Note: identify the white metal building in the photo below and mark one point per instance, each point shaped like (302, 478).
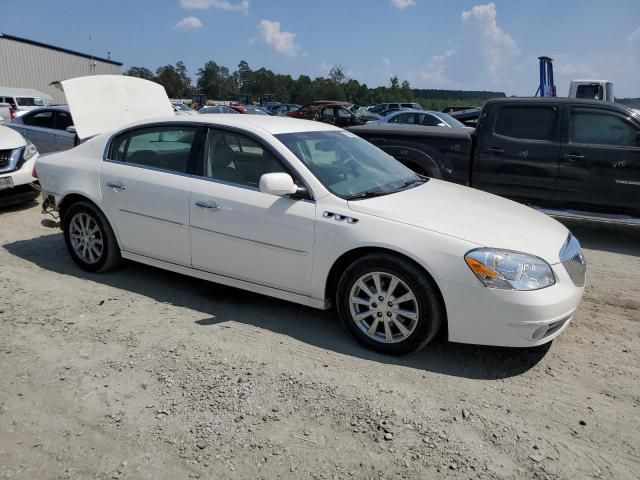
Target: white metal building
(30, 64)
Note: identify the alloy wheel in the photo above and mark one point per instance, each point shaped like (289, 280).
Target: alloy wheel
(87, 240)
(384, 307)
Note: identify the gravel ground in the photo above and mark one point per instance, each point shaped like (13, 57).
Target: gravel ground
(141, 373)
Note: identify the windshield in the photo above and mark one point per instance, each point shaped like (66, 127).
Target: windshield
(349, 166)
(30, 102)
(449, 120)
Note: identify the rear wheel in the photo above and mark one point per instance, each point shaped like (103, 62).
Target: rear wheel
(89, 238)
(389, 304)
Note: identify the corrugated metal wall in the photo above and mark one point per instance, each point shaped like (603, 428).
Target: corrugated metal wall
(29, 66)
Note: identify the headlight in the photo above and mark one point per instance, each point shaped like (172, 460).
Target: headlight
(29, 151)
(509, 270)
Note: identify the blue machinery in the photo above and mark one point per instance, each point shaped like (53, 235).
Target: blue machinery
(547, 88)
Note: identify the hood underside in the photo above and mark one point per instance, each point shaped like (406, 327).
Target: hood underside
(478, 217)
(101, 103)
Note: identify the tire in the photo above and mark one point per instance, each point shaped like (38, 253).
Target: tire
(98, 252)
(422, 309)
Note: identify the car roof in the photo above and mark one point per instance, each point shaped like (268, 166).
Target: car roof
(255, 123)
(62, 108)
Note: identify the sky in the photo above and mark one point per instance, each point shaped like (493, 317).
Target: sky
(449, 44)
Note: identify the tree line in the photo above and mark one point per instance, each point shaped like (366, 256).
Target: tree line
(217, 82)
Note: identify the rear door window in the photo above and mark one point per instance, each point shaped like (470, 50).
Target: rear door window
(166, 148)
(429, 120)
(593, 127)
(527, 122)
(42, 119)
(62, 120)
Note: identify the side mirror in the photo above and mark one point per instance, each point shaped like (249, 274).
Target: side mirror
(277, 184)
(442, 124)
(71, 129)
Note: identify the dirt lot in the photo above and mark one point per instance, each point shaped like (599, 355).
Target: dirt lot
(141, 373)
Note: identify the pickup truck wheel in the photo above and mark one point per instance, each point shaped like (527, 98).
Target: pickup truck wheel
(89, 238)
(389, 304)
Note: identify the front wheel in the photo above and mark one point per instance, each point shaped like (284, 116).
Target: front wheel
(89, 238)
(389, 304)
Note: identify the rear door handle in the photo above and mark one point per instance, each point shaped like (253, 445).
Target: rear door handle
(496, 150)
(573, 157)
(118, 186)
(207, 204)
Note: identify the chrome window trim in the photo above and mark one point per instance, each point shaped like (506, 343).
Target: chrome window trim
(273, 150)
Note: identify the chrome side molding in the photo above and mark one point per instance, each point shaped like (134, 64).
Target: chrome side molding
(591, 216)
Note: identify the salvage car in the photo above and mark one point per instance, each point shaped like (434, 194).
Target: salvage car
(384, 107)
(217, 109)
(334, 113)
(17, 160)
(426, 118)
(50, 129)
(310, 213)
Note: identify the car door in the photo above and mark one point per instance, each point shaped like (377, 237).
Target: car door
(146, 189)
(240, 232)
(38, 127)
(62, 139)
(518, 153)
(600, 161)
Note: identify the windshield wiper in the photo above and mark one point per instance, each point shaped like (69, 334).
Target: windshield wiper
(408, 183)
(368, 194)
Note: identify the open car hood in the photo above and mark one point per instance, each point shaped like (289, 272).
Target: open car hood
(101, 103)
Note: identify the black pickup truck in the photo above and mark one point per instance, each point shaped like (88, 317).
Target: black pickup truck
(574, 157)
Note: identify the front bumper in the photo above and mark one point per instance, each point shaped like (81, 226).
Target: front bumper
(486, 316)
(24, 187)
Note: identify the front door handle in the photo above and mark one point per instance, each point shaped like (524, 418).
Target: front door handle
(573, 157)
(118, 186)
(496, 150)
(207, 204)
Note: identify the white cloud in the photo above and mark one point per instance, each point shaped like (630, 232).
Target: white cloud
(435, 74)
(497, 45)
(283, 42)
(189, 23)
(575, 70)
(242, 6)
(402, 4)
(386, 62)
(635, 35)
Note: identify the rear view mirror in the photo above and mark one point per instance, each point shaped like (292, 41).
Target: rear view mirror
(277, 184)
(325, 146)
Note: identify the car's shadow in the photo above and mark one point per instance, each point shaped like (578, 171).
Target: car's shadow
(8, 205)
(322, 329)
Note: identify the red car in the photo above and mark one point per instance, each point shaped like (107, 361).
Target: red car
(327, 111)
(248, 109)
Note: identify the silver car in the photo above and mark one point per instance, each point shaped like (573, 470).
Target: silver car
(426, 118)
(50, 129)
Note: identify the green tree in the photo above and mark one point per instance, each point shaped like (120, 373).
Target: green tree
(140, 72)
(186, 88)
(169, 78)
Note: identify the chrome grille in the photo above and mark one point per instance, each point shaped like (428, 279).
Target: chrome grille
(5, 156)
(573, 260)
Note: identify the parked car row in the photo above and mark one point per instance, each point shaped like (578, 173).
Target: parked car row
(310, 213)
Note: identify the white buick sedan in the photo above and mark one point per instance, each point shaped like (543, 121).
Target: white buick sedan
(310, 213)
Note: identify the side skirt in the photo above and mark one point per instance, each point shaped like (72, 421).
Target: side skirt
(231, 282)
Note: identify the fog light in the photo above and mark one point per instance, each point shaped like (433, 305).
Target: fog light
(540, 332)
